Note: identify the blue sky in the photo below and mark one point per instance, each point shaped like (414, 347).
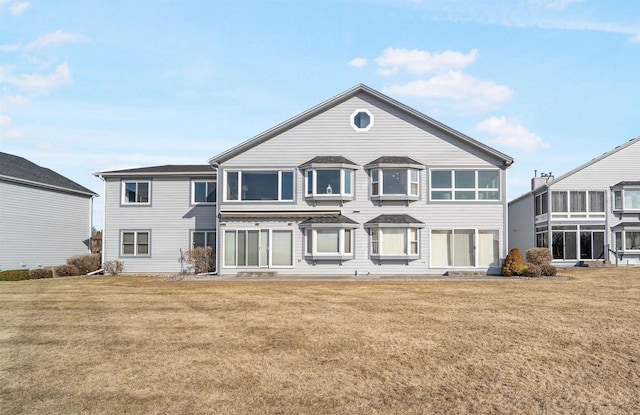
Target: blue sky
(89, 85)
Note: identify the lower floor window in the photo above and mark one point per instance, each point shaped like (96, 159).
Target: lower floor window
(574, 242)
(135, 243)
(542, 237)
(328, 242)
(203, 239)
(258, 248)
(394, 241)
(457, 248)
(631, 240)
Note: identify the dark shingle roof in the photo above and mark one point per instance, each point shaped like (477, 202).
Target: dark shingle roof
(329, 219)
(627, 183)
(21, 169)
(394, 160)
(399, 219)
(169, 168)
(330, 160)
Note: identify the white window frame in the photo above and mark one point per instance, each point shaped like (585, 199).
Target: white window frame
(380, 195)
(570, 213)
(376, 236)
(452, 190)
(623, 244)
(476, 247)
(353, 123)
(123, 192)
(269, 248)
(207, 184)
(313, 193)
(345, 251)
(135, 243)
(279, 173)
(623, 199)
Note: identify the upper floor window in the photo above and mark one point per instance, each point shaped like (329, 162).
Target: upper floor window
(203, 191)
(626, 199)
(361, 120)
(259, 185)
(577, 204)
(465, 185)
(136, 192)
(542, 202)
(395, 178)
(329, 182)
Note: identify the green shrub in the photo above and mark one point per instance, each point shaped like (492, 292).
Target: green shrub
(548, 270)
(113, 267)
(37, 273)
(86, 263)
(67, 271)
(532, 271)
(514, 264)
(14, 275)
(539, 256)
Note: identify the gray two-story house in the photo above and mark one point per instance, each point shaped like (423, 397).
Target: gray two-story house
(45, 218)
(359, 184)
(591, 213)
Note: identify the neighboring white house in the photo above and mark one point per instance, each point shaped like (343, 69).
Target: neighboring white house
(590, 213)
(45, 218)
(357, 184)
(153, 215)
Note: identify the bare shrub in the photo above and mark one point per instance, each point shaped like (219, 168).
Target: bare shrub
(514, 263)
(548, 270)
(38, 273)
(85, 263)
(66, 271)
(532, 271)
(113, 267)
(539, 256)
(202, 259)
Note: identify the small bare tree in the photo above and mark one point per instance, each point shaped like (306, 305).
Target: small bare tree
(202, 259)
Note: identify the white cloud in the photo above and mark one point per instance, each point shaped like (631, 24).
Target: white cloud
(36, 83)
(6, 130)
(556, 4)
(635, 39)
(17, 9)
(419, 62)
(15, 100)
(53, 38)
(508, 132)
(465, 91)
(358, 62)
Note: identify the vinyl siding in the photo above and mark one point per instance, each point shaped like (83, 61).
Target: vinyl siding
(170, 219)
(40, 227)
(393, 134)
(521, 227)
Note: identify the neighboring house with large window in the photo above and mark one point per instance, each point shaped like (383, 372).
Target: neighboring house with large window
(45, 218)
(590, 213)
(361, 184)
(154, 215)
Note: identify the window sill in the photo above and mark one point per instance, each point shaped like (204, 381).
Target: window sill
(411, 257)
(395, 197)
(334, 197)
(328, 257)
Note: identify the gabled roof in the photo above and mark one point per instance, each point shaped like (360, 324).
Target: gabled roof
(340, 98)
(169, 169)
(329, 160)
(336, 219)
(21, 170)
(577, 169)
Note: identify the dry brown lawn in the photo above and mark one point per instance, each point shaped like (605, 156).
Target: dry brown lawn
(141, 345)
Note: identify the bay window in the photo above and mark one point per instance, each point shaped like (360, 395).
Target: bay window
(465, 184)
(394, 178)
(394, 237)
(329, 238)
(250, 185)
(626, 196)
(329, 178)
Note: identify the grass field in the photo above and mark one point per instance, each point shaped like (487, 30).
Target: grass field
(141, 345)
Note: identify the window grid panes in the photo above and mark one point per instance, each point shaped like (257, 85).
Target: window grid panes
(465, 184)
(258, 248)
(203, 239)
(328, 242)
(577, 204)
(395, 182)
(135, 243)
(395, 241)
(204, 192)
(329, 182)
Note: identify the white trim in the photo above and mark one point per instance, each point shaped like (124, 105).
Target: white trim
(453, 189)
(193, 191)
(352, 120)
(123, 192)
(278, 173)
